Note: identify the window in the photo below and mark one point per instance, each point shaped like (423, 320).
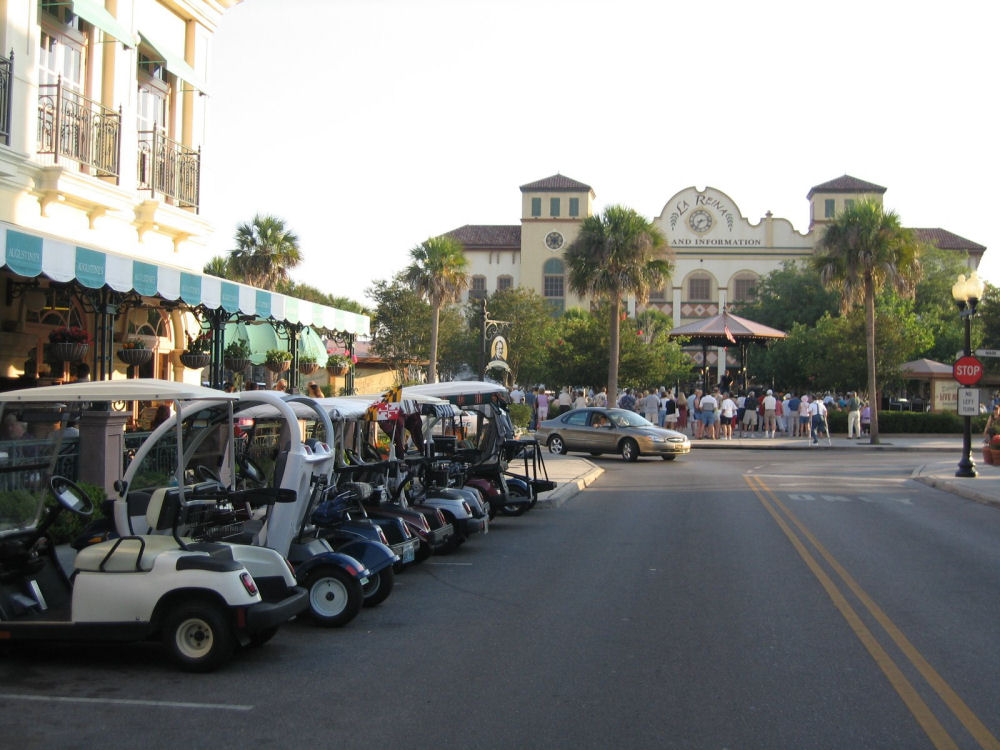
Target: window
(658, 295)
(536, 206)
(574, 206)
(553, 278)
(154, 95)
(578, 419)
(504, 283)
(848, 203)
(828, 208)
(553, 206)
(700, 288)
(62, 46)
(744, 288)
(478, 288)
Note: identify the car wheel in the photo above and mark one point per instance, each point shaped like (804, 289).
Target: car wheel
(671, 457)
(335, 596)
(379, 587)
(556, 445)
(630, 450)
(198, 636)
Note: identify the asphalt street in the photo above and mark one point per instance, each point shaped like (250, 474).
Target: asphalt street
(744, 599)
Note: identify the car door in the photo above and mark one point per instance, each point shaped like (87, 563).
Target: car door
(576, 430)
(602, 437)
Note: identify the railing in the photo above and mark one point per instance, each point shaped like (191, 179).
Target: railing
(74, 127)
(25, 463)
(6, 79)
(168, 168)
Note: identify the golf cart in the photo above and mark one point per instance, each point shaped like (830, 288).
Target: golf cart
(270, 451)
(199, 598)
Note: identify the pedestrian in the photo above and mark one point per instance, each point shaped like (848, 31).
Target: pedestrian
(281, 385)
(313, 390)
(529, 399)
(682, 411)
(651, 406)
(804, 416)
(517, 395)
(694, 413)
(866, 419)
(581, 401)
(853, 416)
(749, 415)
(542, 405)
(781, 414)
(817, 414)
(792, 414)
(727, 417)
(565, 399)
(710, 414)
(671, 416)
(770, 404)
(601, 398)
(627, 401)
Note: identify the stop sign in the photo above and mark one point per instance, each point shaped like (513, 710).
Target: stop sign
(967, 370)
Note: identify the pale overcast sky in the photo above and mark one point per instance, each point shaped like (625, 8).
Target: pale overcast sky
(370, 125)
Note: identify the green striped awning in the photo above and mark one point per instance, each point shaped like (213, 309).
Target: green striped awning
(95, 13)
(29, 254)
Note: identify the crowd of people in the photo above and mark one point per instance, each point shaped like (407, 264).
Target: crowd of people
(719, 414)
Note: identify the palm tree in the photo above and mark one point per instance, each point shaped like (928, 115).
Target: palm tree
(617, 254)
(864, 250)
(265, 252)
(437, 273)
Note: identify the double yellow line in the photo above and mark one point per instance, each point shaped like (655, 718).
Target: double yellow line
(798, 535)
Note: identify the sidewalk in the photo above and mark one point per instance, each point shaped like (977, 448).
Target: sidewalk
(573, 473)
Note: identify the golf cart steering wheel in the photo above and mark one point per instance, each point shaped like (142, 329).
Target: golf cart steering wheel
(70, 496)
(207, 474)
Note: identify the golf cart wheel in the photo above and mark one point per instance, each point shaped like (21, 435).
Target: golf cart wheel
(515, 509)
(198, 636)
(379, 587)
(556, 445)
(630, 450)
(335, 596)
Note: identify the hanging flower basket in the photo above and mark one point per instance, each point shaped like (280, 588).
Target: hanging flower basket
(277, 366)
(68, 351)
(236, 364)
(195, 360)
(135, 357)
(308, 368)
(337, 369)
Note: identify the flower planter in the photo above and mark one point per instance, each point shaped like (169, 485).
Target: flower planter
(994, 457)
(195, 360)
(68, 351)
(308, 368)
(337, 369)
(236, 364)
(135, 357)
(277, 366)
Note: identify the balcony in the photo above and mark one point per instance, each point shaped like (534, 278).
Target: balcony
(6, 76)
(71, 126)
(169, 169)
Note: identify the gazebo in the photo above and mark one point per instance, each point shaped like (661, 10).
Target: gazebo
(724, 329)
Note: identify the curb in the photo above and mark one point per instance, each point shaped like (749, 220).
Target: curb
(571, 488)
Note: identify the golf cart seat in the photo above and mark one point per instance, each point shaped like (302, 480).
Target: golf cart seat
(129, 554)
(136, 553)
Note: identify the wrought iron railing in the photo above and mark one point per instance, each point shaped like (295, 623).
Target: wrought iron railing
(6, 80)
(74, 127)
(169, 168)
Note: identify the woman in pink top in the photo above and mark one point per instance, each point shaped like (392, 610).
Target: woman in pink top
(542, 406)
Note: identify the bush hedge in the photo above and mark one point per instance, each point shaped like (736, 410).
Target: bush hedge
(520, 415)
(912, 422)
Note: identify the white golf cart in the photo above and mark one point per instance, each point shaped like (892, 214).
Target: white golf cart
(198, 597)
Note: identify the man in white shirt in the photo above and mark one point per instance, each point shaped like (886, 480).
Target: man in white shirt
(770, 423)
(517, 395)
(817, 415)
(709, 414)
(601, 399)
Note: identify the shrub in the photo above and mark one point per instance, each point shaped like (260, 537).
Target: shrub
(520, 415)
(910, 422)
(69, 525)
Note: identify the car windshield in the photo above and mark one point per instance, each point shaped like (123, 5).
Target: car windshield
(625, 418)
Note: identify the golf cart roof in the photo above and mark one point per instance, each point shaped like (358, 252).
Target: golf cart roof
(136, 389)
(461, 392)
(412, 403)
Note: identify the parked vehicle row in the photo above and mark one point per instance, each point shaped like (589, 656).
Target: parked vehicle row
(273, 506)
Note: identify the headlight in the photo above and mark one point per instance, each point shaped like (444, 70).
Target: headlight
(677, 440)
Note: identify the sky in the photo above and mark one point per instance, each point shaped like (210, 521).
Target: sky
(370, 125)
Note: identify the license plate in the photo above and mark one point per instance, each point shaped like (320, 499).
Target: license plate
(364, 581)
(408, 555)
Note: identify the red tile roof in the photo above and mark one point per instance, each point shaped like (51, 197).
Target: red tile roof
(846, 184)
(556, 183)
(488, 236)
(946, 240)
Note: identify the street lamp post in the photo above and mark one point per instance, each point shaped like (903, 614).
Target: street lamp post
(967, 292)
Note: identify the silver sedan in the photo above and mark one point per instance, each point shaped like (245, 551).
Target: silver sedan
(596, 431)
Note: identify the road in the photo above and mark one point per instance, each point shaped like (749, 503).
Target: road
(730, 599)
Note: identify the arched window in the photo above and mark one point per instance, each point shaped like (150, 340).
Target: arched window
(554, 285)
(744, 285)
(477, 289)
(699, 288)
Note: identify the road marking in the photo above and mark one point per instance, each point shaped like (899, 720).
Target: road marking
(122, 702)
(805, 497)
(924, 716)
(451, 563)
